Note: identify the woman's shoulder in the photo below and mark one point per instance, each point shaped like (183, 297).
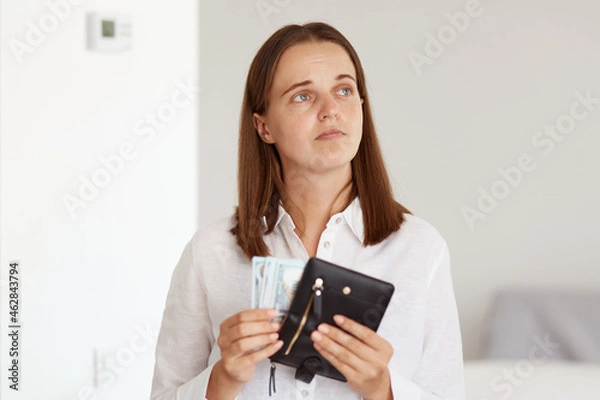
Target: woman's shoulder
(215, 236)
(219, 227)
(419, 246)
(418, 230)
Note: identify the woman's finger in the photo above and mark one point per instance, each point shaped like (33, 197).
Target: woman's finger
(348, 371)
(262, 354)
(248, 329)
(346, 340)
(248, 345)
(363, 333)
(338, 351)
(259, 314)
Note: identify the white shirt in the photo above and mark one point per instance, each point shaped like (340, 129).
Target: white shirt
(213, 279)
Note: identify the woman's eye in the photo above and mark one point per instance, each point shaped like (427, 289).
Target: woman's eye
(345, 91)
(301, 97)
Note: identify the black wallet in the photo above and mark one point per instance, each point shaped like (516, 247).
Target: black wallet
(324, 290)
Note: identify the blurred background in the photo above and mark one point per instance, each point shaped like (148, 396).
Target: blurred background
(118, 140)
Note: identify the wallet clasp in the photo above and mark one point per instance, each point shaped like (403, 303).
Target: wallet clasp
(317, 290)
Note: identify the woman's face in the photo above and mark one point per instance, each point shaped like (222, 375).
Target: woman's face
(314, 117)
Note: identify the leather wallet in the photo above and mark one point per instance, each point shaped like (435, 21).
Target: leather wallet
(324, 290)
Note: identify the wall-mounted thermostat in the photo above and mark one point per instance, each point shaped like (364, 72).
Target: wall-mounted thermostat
(108, 31)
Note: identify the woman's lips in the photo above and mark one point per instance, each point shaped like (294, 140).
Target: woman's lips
(330, 135)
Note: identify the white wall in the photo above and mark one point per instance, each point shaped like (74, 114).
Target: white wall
(92, 281)
(446, 131)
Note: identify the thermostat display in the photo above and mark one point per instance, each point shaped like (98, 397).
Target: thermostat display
(108, 32)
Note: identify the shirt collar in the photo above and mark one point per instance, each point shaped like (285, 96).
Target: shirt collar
(281, 213)
(352, 215)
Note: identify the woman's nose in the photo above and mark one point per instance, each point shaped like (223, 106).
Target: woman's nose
(328, 108)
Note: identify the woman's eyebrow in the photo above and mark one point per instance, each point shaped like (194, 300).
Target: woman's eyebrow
(296, 85)
(308, 82)
(342, 76)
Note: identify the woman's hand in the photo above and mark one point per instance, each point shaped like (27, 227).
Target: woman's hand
(239, 338)
(359, 353)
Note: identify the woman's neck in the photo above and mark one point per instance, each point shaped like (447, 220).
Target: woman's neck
(312, 200)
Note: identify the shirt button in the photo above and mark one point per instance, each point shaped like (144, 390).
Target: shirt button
(305, 393)
(326, 245)
(338, 220)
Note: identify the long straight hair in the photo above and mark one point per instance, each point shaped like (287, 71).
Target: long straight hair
(260, 179)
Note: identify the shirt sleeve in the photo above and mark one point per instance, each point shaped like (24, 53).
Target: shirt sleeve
(181, 370)
(440, 372)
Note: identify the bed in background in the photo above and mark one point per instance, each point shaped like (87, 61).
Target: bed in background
(539, 345)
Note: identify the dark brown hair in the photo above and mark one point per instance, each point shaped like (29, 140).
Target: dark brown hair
(260, 181)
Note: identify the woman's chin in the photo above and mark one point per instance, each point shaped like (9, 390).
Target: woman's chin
(330, 163)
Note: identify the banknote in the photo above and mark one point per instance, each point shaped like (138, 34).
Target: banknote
(265, 294)
(288, 276)
(258, 273)
(275, 281)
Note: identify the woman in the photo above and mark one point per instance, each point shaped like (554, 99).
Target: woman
(311, 182)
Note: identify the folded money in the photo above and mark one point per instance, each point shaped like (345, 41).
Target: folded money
(275, 281)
